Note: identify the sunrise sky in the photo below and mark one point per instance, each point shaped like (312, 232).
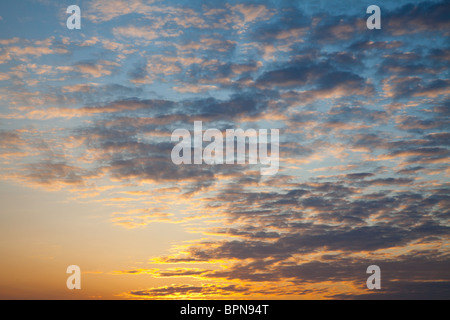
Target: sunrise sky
(86, 176)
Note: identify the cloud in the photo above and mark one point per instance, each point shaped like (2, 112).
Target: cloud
(332, 29)
(53, 173)
(101, 10)
(142, 32)
(364, 148)
(422, 17)
(177, 291)
(93, 69)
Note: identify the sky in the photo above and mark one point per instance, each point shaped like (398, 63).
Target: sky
(86, 176)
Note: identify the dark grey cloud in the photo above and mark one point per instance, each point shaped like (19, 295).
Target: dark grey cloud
(425, 16)
(208, 290)
(299, 73)
(54, 172)
(289, 18)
